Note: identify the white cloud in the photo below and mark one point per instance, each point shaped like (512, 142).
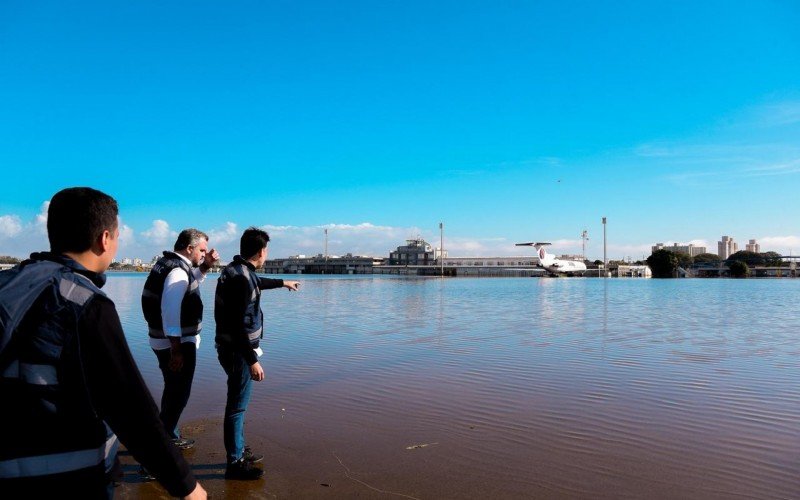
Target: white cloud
(778, 114)
(20, 238)
(226, 234)
(759, 141)
(10, 226)
(160, 233)
(126, 235)
(41, 217)
(784, 245)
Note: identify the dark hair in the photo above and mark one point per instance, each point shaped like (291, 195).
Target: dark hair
(189, 237)
(253, 241)
(78, 216)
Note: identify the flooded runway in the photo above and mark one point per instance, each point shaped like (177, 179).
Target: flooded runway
(513, 387)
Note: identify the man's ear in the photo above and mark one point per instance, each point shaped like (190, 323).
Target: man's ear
(104, 241)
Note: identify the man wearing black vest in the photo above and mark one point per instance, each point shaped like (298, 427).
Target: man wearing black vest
(240, 323)
(174, 312)
(68, 377)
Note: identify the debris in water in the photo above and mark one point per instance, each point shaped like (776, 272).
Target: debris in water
(415, 446)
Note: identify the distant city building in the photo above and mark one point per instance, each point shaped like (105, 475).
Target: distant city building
(137, 262)
(524, 261)
(753, 246)
(690, 249)
(726, 247)
(634, 271)
(321, 264)
(416, 252)
(126, 261)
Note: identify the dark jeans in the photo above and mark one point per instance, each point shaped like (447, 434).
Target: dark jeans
(177, 386)
(239, 386)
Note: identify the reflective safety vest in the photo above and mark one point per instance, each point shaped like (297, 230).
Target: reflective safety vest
(253, 322)
(44, 429)
(191, 306)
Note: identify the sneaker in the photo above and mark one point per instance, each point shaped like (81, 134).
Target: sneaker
(183, 443)
(243, 470)
(146, 476)
(249, 456)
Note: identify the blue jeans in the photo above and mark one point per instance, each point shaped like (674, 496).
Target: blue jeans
(177, 386)
(239, 387)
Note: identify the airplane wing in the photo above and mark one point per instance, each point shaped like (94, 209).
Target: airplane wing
(532, 244)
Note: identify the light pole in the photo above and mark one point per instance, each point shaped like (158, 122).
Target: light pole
(584, 237)
(441, 247)
(605, 258)
(326, 250)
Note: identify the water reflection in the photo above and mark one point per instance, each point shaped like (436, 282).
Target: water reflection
(612, 388)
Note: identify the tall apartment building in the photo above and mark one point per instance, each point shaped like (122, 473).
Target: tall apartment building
(726, 247)
(753, 246)
(689, 249)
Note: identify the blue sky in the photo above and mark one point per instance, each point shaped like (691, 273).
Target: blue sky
(509, 121)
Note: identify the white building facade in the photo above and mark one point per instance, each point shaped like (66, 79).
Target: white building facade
(726, 247)
(689, 249)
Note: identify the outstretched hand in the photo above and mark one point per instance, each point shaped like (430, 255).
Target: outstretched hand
(291, 285)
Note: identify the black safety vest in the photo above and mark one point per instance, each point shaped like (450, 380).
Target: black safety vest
(191, 306)
(48, 425)
(252, 324)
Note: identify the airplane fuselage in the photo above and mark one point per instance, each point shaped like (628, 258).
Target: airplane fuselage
(558, 266)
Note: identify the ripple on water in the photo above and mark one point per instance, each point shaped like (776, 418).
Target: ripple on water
(580, 388)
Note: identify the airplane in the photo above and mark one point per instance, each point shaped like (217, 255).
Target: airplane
(553, 265)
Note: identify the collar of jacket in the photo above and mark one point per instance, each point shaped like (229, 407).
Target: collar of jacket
(99, 279)
(239, 260)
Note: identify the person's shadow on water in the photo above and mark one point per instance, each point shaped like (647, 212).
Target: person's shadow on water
(201, 471)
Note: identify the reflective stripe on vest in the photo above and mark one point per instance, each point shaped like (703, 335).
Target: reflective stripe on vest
(35, 374)
(255, 335)
(58, 463)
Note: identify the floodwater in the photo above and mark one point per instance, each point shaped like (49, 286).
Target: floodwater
(519, 387)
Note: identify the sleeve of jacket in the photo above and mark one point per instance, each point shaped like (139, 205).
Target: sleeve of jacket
(121, 398)
(269, 283)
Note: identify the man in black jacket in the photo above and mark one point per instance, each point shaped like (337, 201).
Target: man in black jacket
(240, 323)
(68, 377)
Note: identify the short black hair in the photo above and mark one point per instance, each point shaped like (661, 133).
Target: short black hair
(78, 216)
(189, 237)
(253, 241)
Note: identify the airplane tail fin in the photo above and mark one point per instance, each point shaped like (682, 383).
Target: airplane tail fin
(544, 257)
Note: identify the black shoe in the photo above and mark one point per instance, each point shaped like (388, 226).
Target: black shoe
(146, 476)
(242, 470)
(183, 443)
(249, 456)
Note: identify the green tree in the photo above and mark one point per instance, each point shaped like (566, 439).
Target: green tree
(684, 260)
(772, 259)
(749, 258)
(663, 263)
(739, 269)
(707, 258)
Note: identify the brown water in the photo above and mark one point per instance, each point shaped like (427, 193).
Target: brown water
(509, 388)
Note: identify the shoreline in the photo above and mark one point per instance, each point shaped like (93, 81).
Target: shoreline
(289, 471)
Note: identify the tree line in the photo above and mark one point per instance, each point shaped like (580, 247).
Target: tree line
(665, 263)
